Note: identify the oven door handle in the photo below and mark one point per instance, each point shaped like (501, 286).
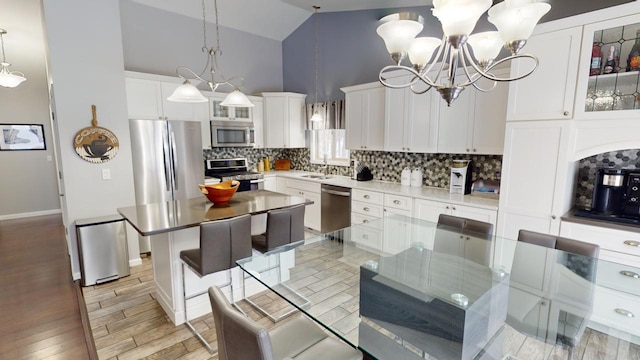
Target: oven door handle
(256, 181)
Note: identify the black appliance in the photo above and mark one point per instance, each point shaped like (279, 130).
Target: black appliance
(234, 169)
(616, 196)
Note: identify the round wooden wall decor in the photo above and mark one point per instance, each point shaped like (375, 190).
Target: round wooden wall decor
(95, 144)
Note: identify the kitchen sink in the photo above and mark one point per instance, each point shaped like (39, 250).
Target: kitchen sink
(318, 177)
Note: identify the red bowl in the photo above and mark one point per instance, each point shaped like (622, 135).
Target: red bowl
(220, 193)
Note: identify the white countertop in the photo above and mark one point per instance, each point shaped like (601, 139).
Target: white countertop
(424, 192)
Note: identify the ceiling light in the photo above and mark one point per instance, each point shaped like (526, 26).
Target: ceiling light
(190, 94)
(8, 78)
(515, 20)
(316, 117)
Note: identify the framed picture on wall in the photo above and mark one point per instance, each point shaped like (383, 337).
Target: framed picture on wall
(22, 137)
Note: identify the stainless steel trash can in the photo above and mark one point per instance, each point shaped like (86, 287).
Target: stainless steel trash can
(102, 244)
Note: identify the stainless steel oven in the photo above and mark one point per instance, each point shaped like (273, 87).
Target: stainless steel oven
(233, 169)
(227, 133)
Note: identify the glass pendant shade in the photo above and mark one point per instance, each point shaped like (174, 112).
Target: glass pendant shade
(459, 17)
(316, 117)
(486, 45)
(515, 19)
(8, 78)
(421, 50)
(398, 31)
(187, 93)
(236, 99)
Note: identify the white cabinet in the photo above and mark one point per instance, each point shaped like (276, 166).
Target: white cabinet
(218, 112)
(537, 179)
(284, 120)
(430, 210)
(311, 191)
(257, 114)
(270, 183)
(549, 92)
(147, 98)
(365, 116)
(475, 122)
(411, 122)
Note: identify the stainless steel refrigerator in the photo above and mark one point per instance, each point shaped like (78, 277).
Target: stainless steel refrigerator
(167, 162)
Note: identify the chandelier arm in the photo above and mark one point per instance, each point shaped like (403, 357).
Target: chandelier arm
(443, 48)
(485, 73)
(416, 77)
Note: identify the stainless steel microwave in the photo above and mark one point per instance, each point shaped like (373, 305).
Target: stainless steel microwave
(226, 133)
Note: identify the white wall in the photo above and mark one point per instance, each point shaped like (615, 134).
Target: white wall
(157, 42)
(29, 185)
(86, 67)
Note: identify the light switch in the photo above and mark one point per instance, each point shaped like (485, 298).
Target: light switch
(106, 174)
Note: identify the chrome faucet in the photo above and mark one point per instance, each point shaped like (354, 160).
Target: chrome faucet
(326, 166)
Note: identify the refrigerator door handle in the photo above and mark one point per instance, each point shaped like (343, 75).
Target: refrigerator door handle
(165, 156)
(174, 155)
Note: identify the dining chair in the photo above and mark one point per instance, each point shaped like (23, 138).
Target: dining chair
(579, 257)
(222, 242)
(465, 238)
(239, 337)
(284, 226)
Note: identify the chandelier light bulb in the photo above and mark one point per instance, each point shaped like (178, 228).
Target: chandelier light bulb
(486, 46)
(516, 19)
(236, 99)
(398, 32)
(187, 93)
(421, 51)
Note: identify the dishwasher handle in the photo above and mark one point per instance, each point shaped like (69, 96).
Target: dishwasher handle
(337, 193)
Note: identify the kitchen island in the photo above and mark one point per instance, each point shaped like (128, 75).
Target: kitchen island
(174, 226)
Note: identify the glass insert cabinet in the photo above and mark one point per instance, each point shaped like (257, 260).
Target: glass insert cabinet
(609, 75)
(219, 112)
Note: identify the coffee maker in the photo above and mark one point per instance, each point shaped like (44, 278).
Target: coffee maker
(616, 195)
(460, 181)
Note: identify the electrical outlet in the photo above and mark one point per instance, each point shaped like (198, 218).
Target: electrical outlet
(106, 174)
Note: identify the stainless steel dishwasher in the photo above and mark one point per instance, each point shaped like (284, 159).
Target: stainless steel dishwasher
(336, 208)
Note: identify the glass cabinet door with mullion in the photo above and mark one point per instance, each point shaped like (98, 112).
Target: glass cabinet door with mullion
(609, 74)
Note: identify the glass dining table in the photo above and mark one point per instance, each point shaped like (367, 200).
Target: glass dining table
(403, 288)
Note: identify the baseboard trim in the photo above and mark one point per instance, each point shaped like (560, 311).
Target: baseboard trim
(135, 262)
(30, 214)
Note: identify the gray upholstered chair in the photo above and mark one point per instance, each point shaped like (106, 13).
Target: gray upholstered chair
(466, 226)
(284, 226)
(222, 242)
(578, 257)
(465, 238)
(241, 338)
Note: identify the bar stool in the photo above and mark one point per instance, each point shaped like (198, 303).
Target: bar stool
(222, 242)
(284, 226)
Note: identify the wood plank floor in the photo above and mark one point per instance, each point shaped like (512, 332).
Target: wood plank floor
(39, 307)
(128, 323)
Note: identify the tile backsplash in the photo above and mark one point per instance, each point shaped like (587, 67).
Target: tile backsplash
(587, 167)
(385, 166)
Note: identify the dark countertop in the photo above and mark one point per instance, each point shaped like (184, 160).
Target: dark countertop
(168, 216)
(571, 217)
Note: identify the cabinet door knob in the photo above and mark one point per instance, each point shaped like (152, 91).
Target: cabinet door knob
(553, 217)
(408, 149)
(447, 207)
(624, 312)
(365, 221)
(632, 243)
(453, 208)
(397, 202)
(366, 209)
(630, 274)
(365, 236)
(474, 150)
(366, 196)
(566, 113)
(467, 150)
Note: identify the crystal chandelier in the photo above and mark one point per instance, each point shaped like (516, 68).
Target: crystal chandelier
(514, 19)
(189, 93)
(8, 78)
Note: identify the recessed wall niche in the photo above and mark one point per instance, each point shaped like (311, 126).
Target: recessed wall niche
(587, 167)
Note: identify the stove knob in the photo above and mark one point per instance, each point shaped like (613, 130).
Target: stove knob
(635, 188)
(633, 199)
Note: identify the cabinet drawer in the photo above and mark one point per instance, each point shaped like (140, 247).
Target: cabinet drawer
(618, 276)
(370, 197)
(389, 211)
(303, 185)
(366, 209)
(367, 236)
(617, 310)
(370, 221)
(398, 202)
(626, 242)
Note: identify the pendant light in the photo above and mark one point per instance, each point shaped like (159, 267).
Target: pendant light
(8, 78)
(316, 117)
(190, 94)
(514, 19)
